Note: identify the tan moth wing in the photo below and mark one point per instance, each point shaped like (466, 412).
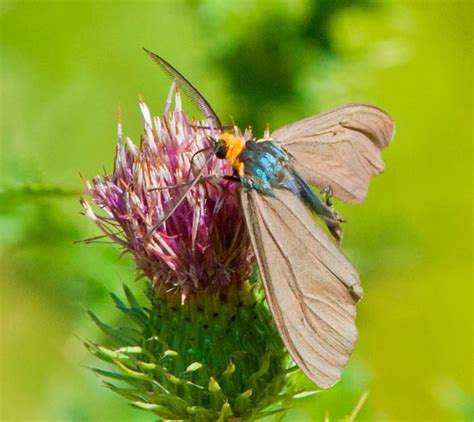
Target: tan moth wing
(310, 286)
(341, 148)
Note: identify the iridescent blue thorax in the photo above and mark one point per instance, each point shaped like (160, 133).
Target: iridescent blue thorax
(266, 166)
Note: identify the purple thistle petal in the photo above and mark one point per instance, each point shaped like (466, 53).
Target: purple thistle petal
(204, 245)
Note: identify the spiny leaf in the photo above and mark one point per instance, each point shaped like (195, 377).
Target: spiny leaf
(292, 370)
(174, 380)
(243, 402)
(229, 370)
(199, 411)
(155, 383)
(303, 394)
(226, 411)
(131, 394)
(113, 375)
(131, 373)
(130, 349)
(132, 301)
(161, 411)
(146, 406)
(214, 386)
(149, 366)
(217, 397)
(262, 415)
(264, 365)
(136, 314)
(119, 335)
(112, 354)
(172, 401)
(179, 381)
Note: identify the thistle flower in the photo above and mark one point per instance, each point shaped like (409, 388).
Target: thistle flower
(203, 245)
(205, 347)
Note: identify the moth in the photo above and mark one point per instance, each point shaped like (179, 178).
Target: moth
(311, 287)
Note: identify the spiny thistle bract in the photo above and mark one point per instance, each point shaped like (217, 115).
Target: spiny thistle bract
(205, 347)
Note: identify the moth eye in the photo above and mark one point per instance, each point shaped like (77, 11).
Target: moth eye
(221, 151)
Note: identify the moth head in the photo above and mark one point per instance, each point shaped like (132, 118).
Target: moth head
(221, 148)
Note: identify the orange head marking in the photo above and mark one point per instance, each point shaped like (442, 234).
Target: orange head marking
(234, 146)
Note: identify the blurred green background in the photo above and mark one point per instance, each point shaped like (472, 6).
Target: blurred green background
(65, 67)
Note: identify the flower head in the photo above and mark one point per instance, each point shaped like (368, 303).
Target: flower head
(203, 245)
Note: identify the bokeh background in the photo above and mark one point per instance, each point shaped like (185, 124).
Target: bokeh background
(67, 65)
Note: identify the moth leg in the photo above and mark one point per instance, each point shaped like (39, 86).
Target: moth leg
(199, 152)
(232, 178)
(328, 194)
(339, 217)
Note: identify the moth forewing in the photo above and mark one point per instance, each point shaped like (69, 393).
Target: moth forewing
(310, 286)
(340, 149)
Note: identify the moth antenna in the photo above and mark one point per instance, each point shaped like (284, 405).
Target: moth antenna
(211, 147)
(189, 90)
